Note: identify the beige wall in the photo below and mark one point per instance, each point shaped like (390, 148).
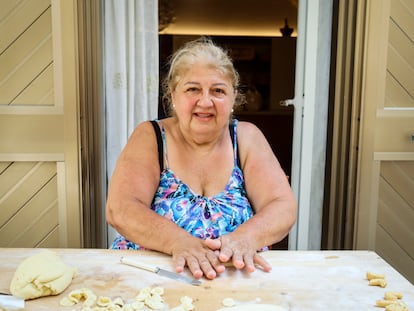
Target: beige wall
(385, 200)
(39, 157)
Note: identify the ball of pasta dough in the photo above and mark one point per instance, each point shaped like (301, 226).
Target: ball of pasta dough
(42, 274)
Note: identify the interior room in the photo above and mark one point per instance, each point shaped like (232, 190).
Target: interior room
(261, 39)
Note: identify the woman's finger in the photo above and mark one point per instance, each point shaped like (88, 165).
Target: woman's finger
(259, 260)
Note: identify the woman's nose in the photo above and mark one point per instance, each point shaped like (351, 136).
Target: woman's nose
(205, 99)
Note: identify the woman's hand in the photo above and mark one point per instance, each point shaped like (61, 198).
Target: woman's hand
(242, 254)
(197, 256)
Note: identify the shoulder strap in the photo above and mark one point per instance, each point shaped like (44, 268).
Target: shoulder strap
(233, 135)
(159, 143)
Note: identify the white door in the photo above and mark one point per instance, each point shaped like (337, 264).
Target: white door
(310, 120)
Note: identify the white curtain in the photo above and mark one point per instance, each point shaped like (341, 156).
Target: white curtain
(131, 72)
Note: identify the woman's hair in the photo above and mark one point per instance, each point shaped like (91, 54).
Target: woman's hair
(201, 50)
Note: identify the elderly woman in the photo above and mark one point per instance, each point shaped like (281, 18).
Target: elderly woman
(199, 185)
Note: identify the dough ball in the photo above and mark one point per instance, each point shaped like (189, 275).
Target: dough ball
(42, 274)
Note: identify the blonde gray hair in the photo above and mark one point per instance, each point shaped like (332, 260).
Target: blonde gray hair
(202, 50)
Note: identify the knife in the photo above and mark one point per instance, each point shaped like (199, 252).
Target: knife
(159, 271)
(10, 302)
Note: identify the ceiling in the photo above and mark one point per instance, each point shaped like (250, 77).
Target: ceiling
(230, 17)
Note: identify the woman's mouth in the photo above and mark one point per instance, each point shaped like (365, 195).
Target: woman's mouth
(203, 115)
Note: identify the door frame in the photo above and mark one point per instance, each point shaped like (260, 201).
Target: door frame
(310, 120)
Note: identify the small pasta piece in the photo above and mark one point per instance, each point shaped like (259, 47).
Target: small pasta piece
(187, 303)
(156, 297)
(103, 301)
(129, 307)
(372, 275)
(187, 306)
(384, 303)
(397, 306)
(137, 305)
(393, 295)
(90, 301)
(186, 299)
(158, 290)
(378, 282)
(154, 304)
(112, 307)
(228, 302)
(142, 296)
(78, 295)
(118, 301)
(67, 302)
(146, 290)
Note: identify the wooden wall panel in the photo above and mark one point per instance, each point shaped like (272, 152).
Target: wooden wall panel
(39, 92)
(396, 214)
(39, 130)
(385, 201)
(28, 203)
(400, 61)
(393, 254)
(402, 11)
(16, 17)
(400, 174)
(26, 56)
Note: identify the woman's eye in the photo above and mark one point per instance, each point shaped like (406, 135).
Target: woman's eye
(219, 91)
(192, 89)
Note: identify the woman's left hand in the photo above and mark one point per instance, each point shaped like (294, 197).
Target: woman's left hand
(240, 252)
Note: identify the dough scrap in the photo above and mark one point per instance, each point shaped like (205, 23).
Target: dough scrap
(397, 306)
(186, 304)
(371, 275)
(42, 274)
(384, 303)
(378, 282)
(393, 295)
(255, 307)
(228, 302)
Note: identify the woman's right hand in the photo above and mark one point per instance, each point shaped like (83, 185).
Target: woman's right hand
(197, 256)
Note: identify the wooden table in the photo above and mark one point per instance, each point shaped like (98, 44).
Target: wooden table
(299, 280)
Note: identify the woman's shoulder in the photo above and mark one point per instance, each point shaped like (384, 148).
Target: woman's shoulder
(250, 140)
(247, 129)
(148, 125)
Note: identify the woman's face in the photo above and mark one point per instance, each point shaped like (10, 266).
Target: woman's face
(203, 99)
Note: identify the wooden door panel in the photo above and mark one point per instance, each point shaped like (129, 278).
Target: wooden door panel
(385, 202)
(17, 16)
(393, 254)
(401, 11)
(31, 133)
(39, 130)
(395, 93)
(395, 216)
(394, 131)
(39, 92)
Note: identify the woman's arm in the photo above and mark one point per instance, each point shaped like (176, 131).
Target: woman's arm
(270, 195)
(130, 194)
(131, 191)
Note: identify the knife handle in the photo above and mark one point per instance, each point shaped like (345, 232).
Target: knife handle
(136, 264)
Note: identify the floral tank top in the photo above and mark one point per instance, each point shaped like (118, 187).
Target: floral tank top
(203, 217)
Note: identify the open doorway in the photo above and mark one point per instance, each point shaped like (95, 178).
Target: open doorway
(264, 57)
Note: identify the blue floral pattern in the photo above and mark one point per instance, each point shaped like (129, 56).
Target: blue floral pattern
(203, 217)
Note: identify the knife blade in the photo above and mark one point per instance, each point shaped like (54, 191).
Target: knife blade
(10, 302)
(159, 271)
